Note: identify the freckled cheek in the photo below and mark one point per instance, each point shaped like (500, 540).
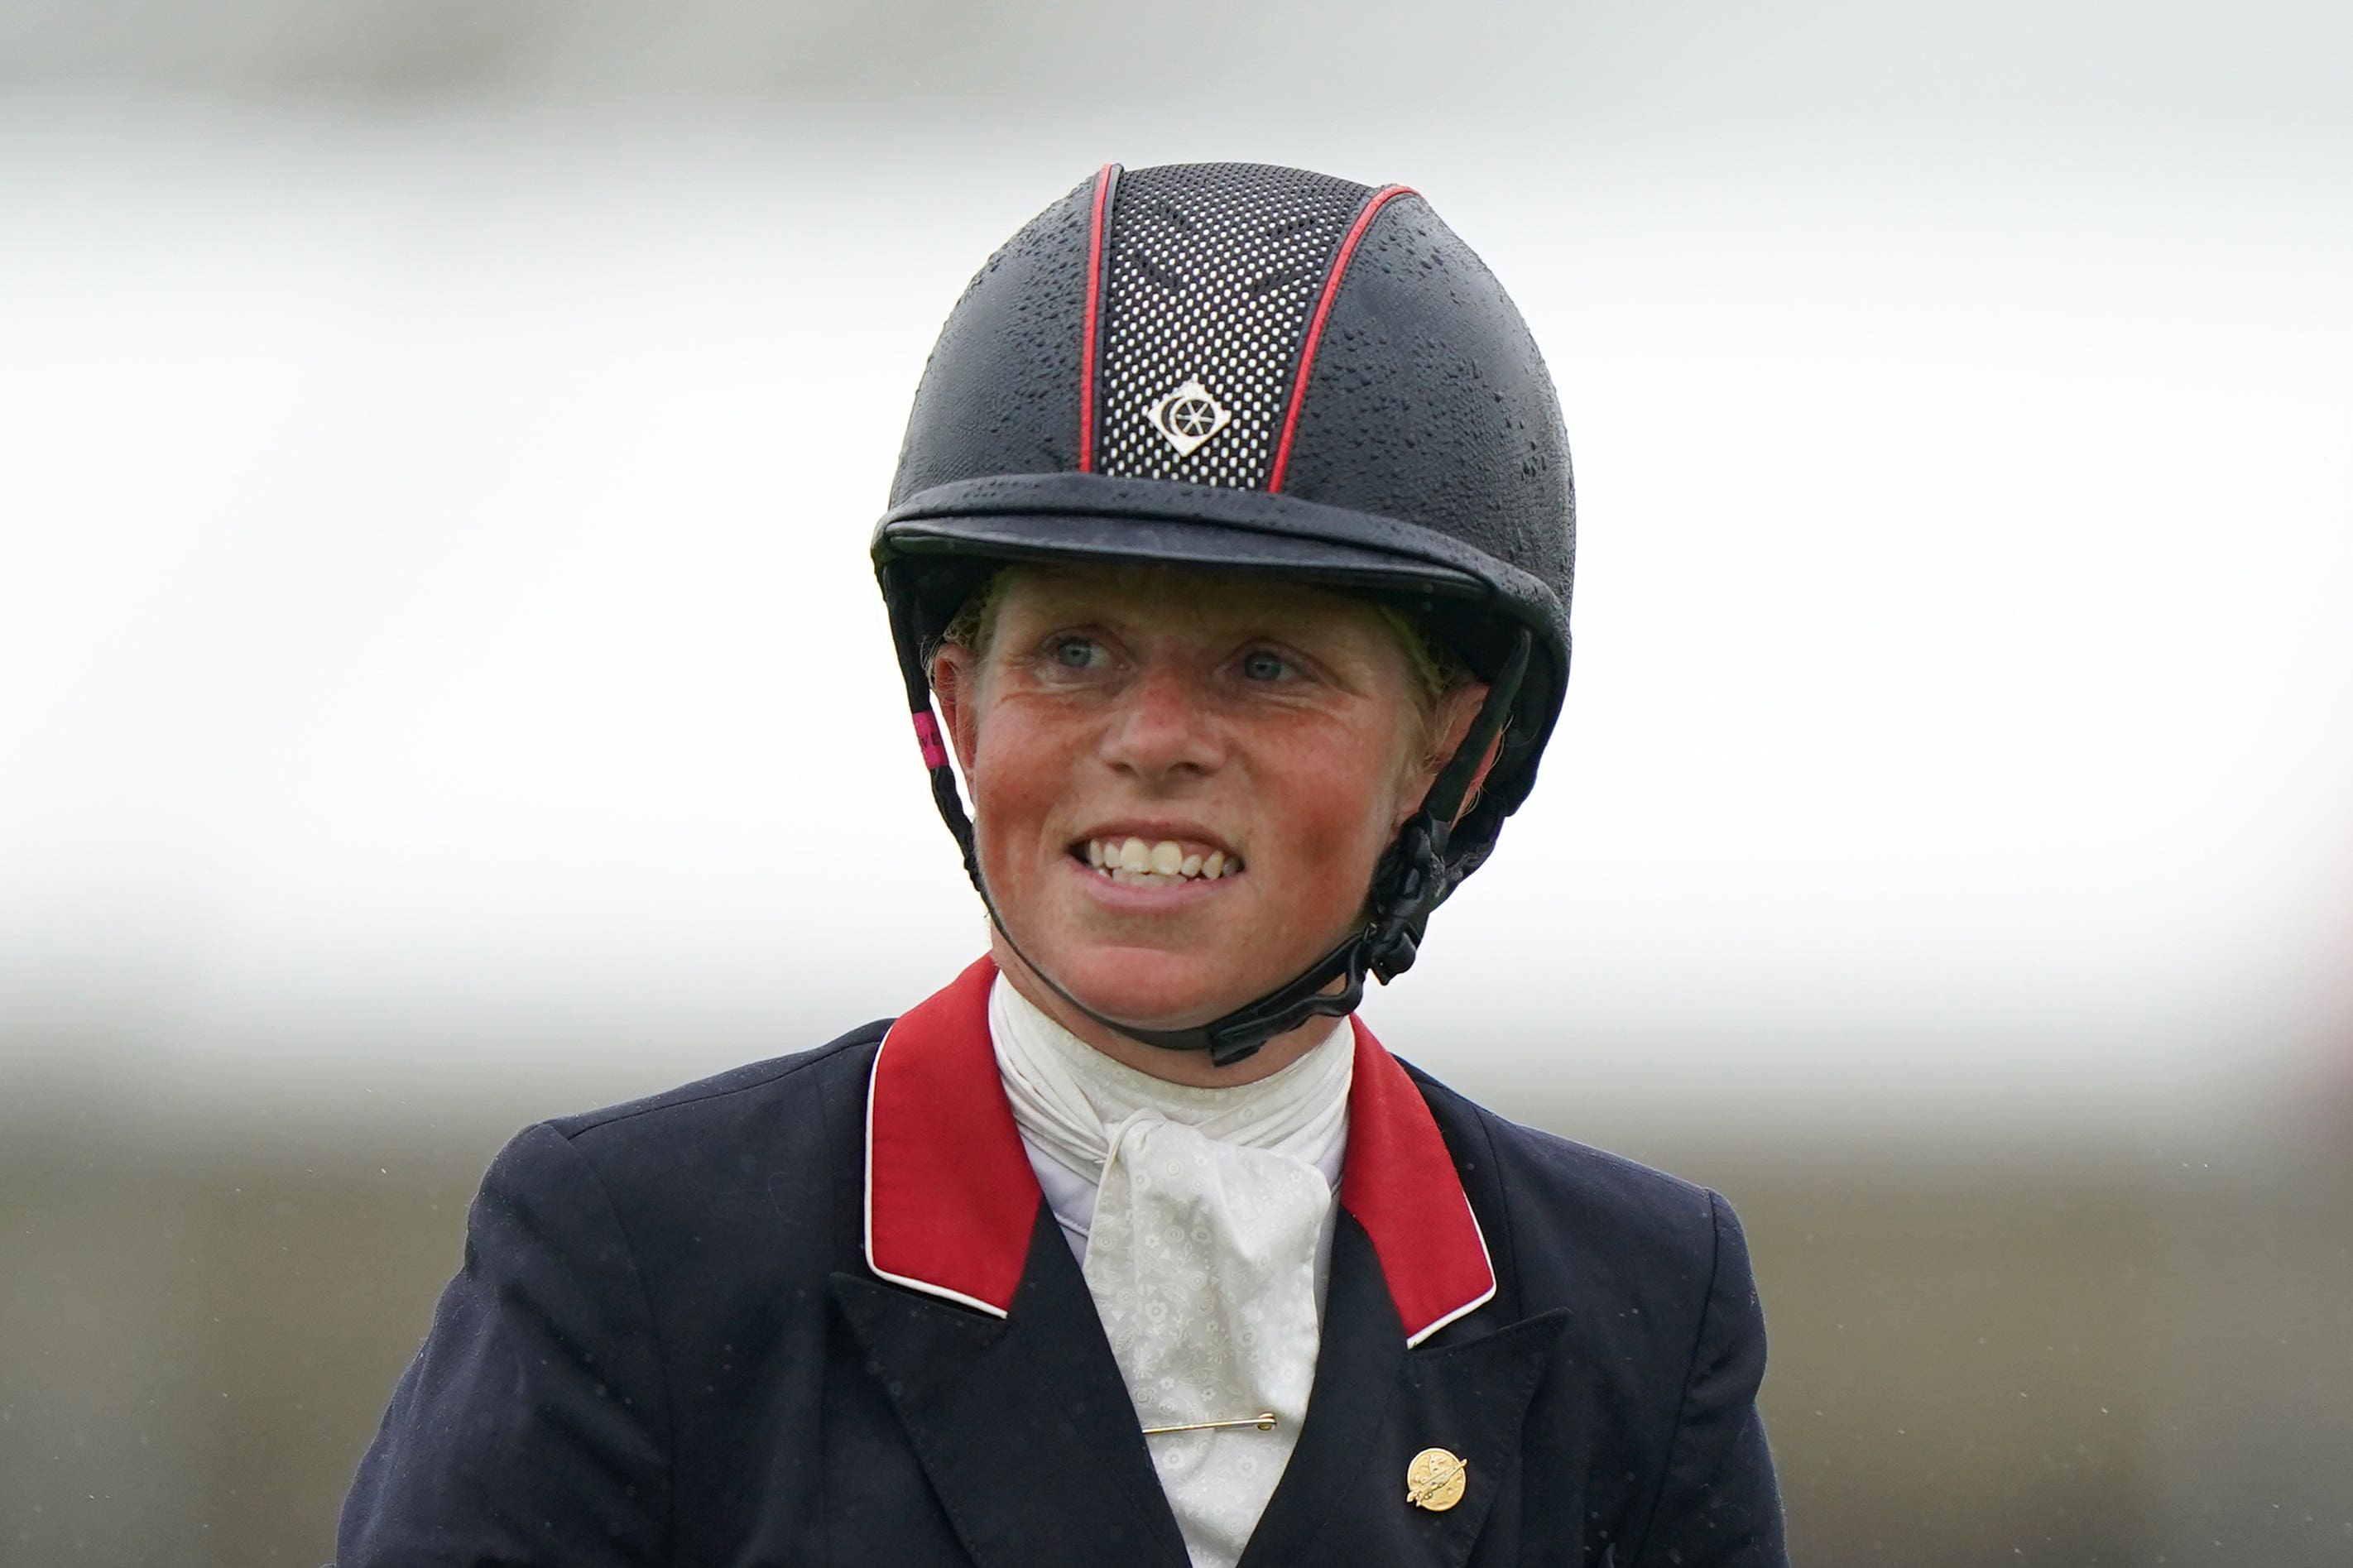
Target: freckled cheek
(1021, 780)
(1332, 837)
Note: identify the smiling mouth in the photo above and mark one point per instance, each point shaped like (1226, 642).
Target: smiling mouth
(1133, 863)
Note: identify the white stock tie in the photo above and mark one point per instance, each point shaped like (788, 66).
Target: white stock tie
(1205, 1220)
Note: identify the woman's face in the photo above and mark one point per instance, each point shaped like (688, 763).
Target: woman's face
(1253, 744)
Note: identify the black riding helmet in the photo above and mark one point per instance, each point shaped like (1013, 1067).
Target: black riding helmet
(1260, 369)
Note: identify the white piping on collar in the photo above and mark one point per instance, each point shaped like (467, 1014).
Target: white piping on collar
(1475, 1302)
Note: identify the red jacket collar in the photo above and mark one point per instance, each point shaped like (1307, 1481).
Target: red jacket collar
(951, 1199)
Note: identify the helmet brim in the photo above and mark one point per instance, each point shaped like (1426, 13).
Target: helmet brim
(1086, 517)
(992, 540)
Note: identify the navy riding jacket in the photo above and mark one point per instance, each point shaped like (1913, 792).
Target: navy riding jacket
(815, 1311)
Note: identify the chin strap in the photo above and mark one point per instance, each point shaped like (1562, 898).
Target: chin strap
(1413, 877)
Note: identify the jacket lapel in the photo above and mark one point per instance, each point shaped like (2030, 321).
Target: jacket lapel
(997, 1365)
(1375, 1404)
(1022, 1424)
(1404, 1365)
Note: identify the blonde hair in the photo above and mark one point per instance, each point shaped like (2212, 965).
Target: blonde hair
(975, 620)
(1437, 668)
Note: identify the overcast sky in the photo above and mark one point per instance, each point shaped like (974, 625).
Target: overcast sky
(439, 470)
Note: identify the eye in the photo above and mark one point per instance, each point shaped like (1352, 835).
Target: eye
(1075, 652)
(1259, 665)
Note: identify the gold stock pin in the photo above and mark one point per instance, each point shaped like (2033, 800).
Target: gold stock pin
(1434, 1481)
(1261, 1422)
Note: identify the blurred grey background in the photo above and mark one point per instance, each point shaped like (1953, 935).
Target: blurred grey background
(440, 685)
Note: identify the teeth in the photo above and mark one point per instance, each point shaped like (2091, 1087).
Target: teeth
(1134, 863)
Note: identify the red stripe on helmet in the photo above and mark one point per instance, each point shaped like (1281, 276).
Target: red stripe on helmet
(1091, 347)
(1372, 207)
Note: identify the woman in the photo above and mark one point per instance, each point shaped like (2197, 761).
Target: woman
(1232, 535)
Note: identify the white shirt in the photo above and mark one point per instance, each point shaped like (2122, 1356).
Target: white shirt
(1202, 1220)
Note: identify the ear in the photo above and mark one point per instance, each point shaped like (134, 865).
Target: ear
(1457, 710)
(955, 685)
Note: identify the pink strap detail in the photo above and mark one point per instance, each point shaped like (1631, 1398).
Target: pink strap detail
(927, 735)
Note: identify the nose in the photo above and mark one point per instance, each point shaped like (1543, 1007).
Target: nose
(1163, 726)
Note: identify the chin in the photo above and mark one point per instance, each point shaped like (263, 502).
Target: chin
(1156, 989)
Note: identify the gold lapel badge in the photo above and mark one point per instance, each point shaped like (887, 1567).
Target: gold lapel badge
(1435, 1479)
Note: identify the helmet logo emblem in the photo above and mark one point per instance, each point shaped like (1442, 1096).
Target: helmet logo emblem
(1188, 416)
